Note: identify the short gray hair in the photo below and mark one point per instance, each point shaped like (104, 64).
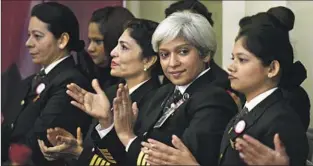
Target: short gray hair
(194, 28)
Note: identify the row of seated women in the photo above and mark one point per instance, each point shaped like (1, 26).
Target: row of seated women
(192, 120)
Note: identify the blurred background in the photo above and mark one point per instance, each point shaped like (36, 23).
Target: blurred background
(226, 15)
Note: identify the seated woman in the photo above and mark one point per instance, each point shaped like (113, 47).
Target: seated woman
(294, 94)
(263, 64)
(185, 46)
(134, 60)
(106, 25)
(42, 101)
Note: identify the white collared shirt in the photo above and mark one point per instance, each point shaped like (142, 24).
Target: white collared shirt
(183, 88)
(103, 132)
(53, 64)
(256, 100)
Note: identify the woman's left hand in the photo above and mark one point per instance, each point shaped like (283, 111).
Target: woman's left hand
(253, 152)
(161, 154)
(125, 114)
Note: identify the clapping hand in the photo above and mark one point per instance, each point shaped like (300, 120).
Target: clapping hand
(64, 144)
(253, 152)
(125, 114)
(96, 105)
(159, 153)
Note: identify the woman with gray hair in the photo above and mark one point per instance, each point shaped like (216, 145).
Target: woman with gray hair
(193, 107)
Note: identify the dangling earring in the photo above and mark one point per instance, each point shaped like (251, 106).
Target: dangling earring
(144, 69)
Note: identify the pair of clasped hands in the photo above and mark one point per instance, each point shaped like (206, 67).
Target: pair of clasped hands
(97, 105)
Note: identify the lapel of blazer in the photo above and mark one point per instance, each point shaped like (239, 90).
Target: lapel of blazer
(249, 119)
(161, 97)
(206, 78)
(144, 89)
(61, 67)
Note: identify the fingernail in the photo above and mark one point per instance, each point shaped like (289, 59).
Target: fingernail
(146, 156)
(241, 155)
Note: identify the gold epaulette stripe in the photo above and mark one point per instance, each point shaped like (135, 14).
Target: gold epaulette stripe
(139, 158)
(103, 162)
(98, 161)
(93, 159)
(144, 162)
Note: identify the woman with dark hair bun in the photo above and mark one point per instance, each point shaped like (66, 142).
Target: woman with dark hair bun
(42, 102)
(104, 29)
(262, 70)
(295, 95)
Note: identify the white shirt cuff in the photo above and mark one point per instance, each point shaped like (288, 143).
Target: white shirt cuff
(103, 132)
(129, 143)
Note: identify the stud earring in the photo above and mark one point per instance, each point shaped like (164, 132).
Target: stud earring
(145, 69)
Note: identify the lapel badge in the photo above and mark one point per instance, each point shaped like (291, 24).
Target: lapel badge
(185, 96)
(22, 102)
(40, 88)
(240, 126)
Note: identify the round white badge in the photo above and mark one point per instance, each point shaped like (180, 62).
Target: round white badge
(40, 88)
(240, 126)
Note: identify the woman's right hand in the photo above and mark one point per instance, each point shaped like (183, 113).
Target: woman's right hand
(96, 105)
(64, 144)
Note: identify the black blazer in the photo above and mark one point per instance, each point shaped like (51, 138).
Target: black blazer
(200, 122)
(141, 95)
(31, 114)
(269, 117)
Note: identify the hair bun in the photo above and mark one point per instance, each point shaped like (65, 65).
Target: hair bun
(284, 15)
(300, 73)
(296, 75)
(245, 21)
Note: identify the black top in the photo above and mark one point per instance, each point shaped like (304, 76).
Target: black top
(272, 115)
